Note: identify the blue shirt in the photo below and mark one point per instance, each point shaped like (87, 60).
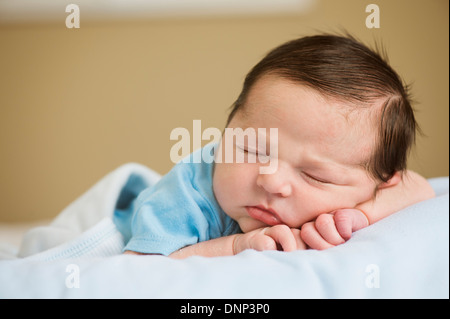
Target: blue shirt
(180, 210)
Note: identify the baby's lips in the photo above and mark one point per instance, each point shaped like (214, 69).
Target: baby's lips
(264, 215)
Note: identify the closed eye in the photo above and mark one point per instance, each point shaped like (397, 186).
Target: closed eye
(315, 179)
(246, 150)
(249, 150)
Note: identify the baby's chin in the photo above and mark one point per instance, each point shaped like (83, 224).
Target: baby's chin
(248, 224)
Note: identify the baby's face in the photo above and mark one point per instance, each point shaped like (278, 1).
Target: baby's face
(321, 150)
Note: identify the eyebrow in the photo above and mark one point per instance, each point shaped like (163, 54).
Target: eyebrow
(325, 166)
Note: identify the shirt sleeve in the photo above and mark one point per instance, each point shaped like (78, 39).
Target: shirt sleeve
(169, 215)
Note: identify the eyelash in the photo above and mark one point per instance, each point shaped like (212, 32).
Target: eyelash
(245, 150)
(314, 179)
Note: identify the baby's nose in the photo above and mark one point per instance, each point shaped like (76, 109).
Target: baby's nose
(277, 183)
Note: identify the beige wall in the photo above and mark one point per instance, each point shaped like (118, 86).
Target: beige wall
(77, 103)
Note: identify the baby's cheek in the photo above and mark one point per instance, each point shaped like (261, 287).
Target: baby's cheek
(223, 185)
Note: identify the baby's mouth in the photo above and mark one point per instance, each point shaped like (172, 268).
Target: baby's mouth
(266, 215)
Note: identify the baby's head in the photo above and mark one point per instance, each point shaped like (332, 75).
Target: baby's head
(345, 126)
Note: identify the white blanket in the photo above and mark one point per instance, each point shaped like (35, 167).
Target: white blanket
(403, 256)
(85, 227)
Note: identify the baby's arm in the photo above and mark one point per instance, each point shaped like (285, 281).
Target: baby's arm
(279, 237)
(335, 228)
(222, 246)
(411, 189)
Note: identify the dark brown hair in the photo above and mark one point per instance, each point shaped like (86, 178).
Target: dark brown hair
(341, 67)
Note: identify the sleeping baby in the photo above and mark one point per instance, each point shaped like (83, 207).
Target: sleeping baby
(337, 121)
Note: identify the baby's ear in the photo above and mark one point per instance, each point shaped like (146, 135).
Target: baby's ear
(394, 180)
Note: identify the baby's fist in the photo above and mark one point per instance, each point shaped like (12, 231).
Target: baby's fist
(348, 221)
(332, 229)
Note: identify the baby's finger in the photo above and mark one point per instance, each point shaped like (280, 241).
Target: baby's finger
(312, 238)
(326, 227)
(348, 221)
(262, 242)
(298, 239)
(283, 236)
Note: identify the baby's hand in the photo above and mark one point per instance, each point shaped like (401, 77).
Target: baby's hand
(279, 237)
(332, 229)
